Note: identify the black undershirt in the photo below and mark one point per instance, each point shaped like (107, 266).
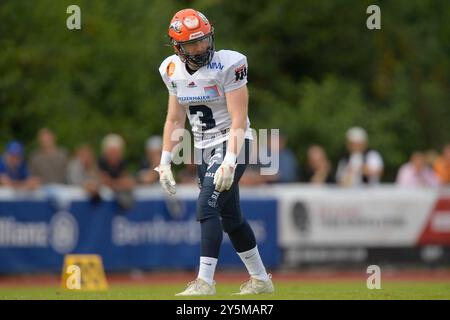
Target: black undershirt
(191, 72)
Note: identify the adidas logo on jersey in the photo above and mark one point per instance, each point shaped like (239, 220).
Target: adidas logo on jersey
(192, 85)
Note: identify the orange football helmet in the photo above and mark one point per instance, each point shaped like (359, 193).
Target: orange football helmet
(188, 26)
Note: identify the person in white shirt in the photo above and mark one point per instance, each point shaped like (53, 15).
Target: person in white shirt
(360, 166)
(209, 87)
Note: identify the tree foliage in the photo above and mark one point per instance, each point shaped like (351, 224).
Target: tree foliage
(314, 70)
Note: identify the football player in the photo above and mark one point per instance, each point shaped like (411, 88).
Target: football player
(209, 87)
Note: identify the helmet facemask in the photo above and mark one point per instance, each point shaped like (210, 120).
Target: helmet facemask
(198, 60)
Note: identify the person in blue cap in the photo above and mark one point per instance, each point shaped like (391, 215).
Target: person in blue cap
(13, 169)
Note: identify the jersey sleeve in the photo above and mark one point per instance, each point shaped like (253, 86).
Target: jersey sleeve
(236, 73)
(163, 70)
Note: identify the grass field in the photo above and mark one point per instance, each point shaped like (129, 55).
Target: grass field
(321, 290)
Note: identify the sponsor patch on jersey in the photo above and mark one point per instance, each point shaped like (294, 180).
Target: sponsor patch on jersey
(192, 85)
(170, 69)
(212, 91)
(194, 99)
(215, 66)
(240, 73)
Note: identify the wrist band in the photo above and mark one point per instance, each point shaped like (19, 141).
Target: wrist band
(166, 157)
(230, 157)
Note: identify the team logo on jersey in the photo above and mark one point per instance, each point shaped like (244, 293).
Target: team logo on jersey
(215, 65)
(212, 91)
(176, 26)
(212, 201)
(192, 85)
(170, 69)
(240, 73)
(191, 22)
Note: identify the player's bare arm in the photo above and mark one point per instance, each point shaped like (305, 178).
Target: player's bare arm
(237, 105)
(175, 119)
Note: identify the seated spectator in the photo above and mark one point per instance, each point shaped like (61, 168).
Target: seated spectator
(318, 168)
(82, 171)
(113, 170)
(288, 167)
(188, 175)
(146, 174)
(442, 165)
(252, 175)
(13, 169)
(49, 163)
(360, 165)
(287, 164)
(430, 157)
(416, 173)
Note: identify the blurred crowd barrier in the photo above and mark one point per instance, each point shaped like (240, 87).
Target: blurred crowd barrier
(295, 225)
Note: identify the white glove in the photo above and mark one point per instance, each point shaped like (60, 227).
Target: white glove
(224, 176)
(166, 178)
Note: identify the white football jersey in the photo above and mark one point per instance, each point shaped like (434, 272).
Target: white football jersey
(203, 93)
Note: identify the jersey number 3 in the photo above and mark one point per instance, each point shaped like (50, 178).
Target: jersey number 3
(206, 115)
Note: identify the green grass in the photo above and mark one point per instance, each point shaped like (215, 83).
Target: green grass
(348, 290)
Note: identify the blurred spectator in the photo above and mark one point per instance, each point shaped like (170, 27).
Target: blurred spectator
(49, 163)
(276, 148)
(252, 175)
(416, 173)
(288, 166)
(188, 175)
(153, 148)
(113, 170)
(82, 171)
(360, 165)
(442, 165)
(13, 169)
(430, 157)
(318, 168)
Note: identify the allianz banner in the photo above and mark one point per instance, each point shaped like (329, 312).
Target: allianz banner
(155, 233)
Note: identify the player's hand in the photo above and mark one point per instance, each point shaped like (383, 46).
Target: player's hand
(166, 178)
(224, 176)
